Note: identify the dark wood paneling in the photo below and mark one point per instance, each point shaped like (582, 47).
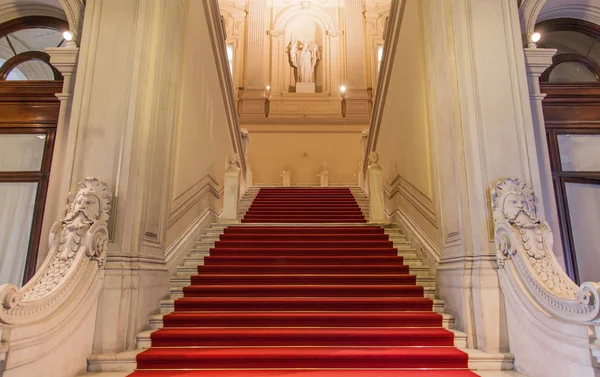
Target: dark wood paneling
(31, 107)
(29, 103)
(33, 22)
(569, 109)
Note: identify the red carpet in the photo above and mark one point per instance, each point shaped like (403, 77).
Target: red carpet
(303, 301)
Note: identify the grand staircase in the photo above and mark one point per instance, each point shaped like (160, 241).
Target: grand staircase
(302, 287)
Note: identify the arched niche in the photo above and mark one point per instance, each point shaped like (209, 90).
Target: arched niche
(312, 24)
(307, 30)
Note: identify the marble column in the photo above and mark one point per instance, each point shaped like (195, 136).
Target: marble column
(357, 97)
(537, 60)
(253, 99)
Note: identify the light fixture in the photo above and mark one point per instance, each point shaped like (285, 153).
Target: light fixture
(343, 89)
(68, 36)
(268, 87)
(534, 38)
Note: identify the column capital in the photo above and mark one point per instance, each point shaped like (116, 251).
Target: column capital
(275, 33)
(537, 60)
(64, 58)
(334, 33)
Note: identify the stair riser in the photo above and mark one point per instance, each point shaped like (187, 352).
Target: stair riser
(243, 305)
(303, 230)
(291, 279)
(290, 261)
(299, 340)
(193, 291)
(337, 361)
(293, 270)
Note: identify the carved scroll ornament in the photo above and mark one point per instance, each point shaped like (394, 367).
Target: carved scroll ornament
(526, 241)
(78, 240)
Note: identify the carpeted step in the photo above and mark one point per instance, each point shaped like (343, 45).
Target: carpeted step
(301, 237)
(303, 319)
(302, 251)
(308, 301)
(303, 260)
(303, 291)
(304, 373)
(302, 269)
(303, 357)
(304, 217)
(307, 243)
(286, 337)
(303, 230)
(295, 204)
(305, 212)
(303, 303)
(287, 220)
(370, 279)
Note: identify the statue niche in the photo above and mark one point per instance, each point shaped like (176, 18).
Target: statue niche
(304, 56)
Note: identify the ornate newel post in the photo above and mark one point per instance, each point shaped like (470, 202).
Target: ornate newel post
(324, 175)
(231, 190)
(376, 191)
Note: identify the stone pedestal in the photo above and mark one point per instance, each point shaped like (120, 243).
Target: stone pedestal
(324, 176)
(286, 178)
(305, 87)
(231, 195)
(376, 192)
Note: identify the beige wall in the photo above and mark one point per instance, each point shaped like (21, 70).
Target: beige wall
(303, 149)
(404, 142)
(202, 139)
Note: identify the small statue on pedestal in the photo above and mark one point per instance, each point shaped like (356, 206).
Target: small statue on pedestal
(324, 175)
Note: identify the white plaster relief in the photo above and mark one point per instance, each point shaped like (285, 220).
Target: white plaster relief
(81, 237)
(526, 241)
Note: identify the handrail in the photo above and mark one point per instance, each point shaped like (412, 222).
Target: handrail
(77, 245)
(524, 247)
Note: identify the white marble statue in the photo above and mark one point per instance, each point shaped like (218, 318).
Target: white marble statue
(286, 177)
(304, 56)
(324, 175)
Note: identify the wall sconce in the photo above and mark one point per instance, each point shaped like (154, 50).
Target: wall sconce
(343, 91)
(534, 38)
(267, 90)
(69, 37)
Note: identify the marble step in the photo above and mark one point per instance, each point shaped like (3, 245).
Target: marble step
(190, 270)
(156, 321)
(198, 260)
(177, 292)
(143, 339)
(184, 280)
(168, 306)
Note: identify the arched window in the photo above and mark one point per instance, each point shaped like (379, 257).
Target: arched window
(29, 111)
(572, 117)
(22, 45)
(578, 56)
